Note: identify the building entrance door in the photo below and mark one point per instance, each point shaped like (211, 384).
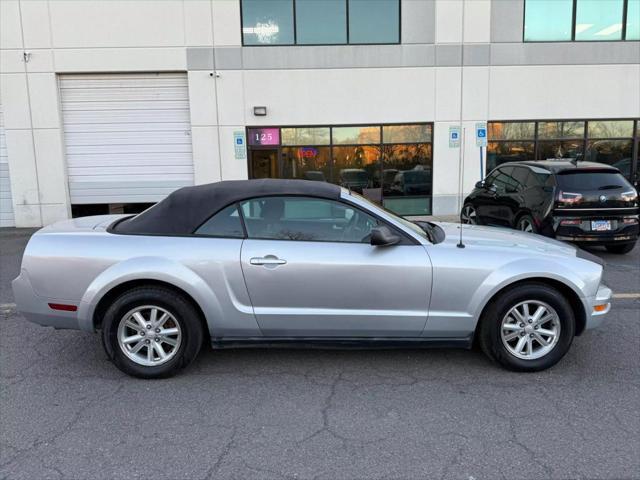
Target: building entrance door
(264, 163)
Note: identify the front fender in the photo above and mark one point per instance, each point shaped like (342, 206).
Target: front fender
(148, 268)
(526, 269)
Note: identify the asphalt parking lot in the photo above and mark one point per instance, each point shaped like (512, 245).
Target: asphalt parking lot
(66, 412)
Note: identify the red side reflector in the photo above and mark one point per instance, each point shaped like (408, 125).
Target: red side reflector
(63, 307)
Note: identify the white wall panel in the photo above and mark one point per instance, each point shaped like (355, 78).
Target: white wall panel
(10, 35)
(477, 21)
(127, 136)
(120, 59)
(35, 24)
(116, 23)
(335, 96)
(197, 23)
(564, 91)
(448, 21)
(15, 100)
(447, 94)
(6, 200)
(43, 95)
(226, 23)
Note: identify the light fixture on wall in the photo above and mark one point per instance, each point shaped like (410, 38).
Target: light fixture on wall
(260, 111)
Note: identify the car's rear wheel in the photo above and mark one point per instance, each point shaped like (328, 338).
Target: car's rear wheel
(151, 332)
(620, 248)
(526, 224)
(527, 328)
(469, 215)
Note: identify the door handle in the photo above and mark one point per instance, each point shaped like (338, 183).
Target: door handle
(268, 260)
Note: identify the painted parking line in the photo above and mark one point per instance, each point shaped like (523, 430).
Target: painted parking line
(7, 307)
(626, 295)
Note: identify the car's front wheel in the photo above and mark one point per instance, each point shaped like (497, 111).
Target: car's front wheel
(527, 328)
(151, 332)
(620, 248)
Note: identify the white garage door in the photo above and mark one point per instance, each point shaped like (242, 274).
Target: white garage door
(127, 136)
(6, 203)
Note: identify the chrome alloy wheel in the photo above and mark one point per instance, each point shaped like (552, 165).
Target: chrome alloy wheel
(469, 215)
(149, 335)
(525, 225)
(530, 330)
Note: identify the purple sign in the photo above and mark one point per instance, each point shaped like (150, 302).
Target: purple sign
(264, 136)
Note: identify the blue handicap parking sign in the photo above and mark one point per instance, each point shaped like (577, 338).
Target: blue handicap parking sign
(454, 135)
(239, 141)
(482, 133)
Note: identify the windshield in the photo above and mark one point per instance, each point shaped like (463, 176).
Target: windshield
(412, 226)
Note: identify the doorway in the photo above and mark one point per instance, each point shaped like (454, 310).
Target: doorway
(264, 163)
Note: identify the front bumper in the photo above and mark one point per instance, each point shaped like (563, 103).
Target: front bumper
(598, 306)
(36, 309)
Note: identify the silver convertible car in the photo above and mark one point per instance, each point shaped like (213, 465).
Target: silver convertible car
(295, 262)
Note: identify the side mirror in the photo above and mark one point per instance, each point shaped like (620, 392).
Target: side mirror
(480, 184)
(383, 237)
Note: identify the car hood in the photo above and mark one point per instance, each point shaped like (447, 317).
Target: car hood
(506, 238)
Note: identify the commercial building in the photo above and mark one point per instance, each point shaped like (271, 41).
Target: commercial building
(111, 105)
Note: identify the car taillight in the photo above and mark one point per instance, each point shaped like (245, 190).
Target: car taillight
(570, 222)
(569, 198)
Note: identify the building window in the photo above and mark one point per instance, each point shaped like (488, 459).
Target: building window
(547, 20)
(320, 22)
(267, 22)
(389, 164)
(510, 142)
(599, 20)
(581, 20)
(605, 141)
(560, 140)
(611, 142)
(632, 30)
(374, 21)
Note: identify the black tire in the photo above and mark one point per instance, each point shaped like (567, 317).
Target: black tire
(525, 220)
(620, 248)
(177, 305)
(489, 337)
(468, 210)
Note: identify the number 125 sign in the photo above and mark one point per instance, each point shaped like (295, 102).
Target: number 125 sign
(264, 136)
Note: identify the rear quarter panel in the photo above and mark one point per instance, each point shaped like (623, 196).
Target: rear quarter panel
(81, 267)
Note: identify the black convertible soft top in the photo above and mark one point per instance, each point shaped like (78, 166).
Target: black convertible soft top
(184, 210)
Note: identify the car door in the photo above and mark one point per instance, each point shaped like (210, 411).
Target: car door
(498, 207)
(514, 198)
(489, 207)
(311, 272)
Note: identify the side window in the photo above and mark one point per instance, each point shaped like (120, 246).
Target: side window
(503, 179)
(225, 223)
(491, 178)
(521, 175)
(306, 219)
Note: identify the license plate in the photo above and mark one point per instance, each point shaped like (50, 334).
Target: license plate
(600, 225)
